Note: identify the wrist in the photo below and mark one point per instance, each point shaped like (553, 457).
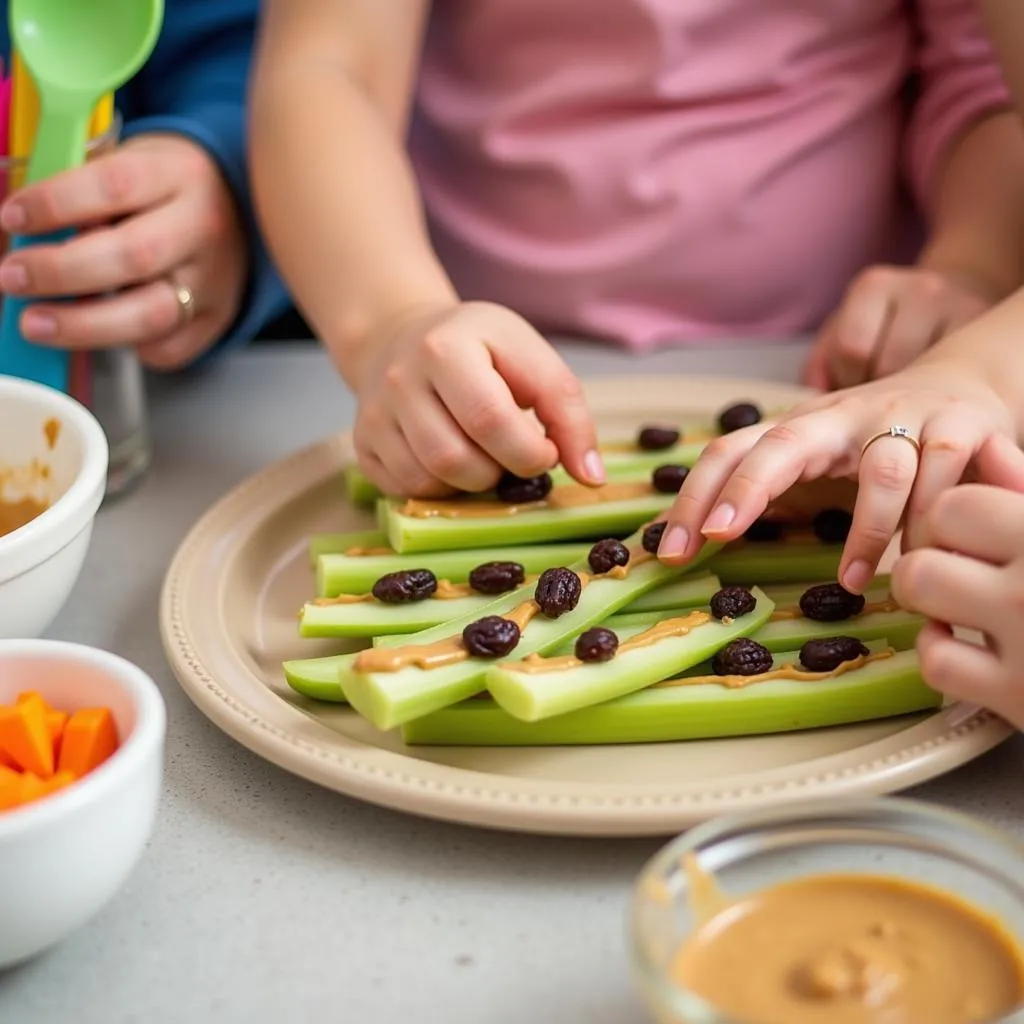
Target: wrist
(982, 273)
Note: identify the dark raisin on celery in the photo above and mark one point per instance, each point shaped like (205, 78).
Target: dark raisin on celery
(830, 602)
(558, 591)
(605, 555)
(405, 586)
(521, 490)
(828, 653)
(736, 417)
(732, 602)
(832, 525)
(764, 531)
(657, 439)
(742, 657)
(668, 479)
(652, 537)
(497, 577)
(490, 637)
(597, 644)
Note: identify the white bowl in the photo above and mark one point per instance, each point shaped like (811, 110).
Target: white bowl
(40, 562)
(63, 857)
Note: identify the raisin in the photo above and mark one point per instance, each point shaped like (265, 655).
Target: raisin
(558, 591)
(832, 525)
(652, 537)
(597, 644)
(521, 490)
(496, 577)
(405, 586)
(605, 555)
(828, 653)
(764, 530)
(830, 602)
(736, 417)
(732, 602)
(490, 637)
(657, 439)
(742, 657)
(668, 479)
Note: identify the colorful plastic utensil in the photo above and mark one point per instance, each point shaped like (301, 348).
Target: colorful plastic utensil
(75, 52)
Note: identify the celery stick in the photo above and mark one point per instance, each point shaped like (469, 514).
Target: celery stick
(899, 628)
(388, 699)
(531, 696)
(787, 595)
(328, 543)
(317, 677)
(749, 564)
(361, 491)
(607, 519)
(356, 574)
(881, 689)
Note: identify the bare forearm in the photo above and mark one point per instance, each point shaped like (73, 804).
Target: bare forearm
(978, 220)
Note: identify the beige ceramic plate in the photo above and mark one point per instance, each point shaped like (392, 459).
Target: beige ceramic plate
(228, 619)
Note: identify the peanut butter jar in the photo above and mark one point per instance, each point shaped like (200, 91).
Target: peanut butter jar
(880, 912)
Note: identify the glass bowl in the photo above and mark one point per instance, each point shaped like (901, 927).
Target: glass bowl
(749, 852)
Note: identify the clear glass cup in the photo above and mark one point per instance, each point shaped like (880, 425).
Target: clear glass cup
(109, 382)
(749, 852)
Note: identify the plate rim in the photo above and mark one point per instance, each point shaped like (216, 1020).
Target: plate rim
(943, 741)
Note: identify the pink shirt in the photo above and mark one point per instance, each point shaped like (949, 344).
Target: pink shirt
(664, 171)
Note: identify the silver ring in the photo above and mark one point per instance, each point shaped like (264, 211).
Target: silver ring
(186, 302)
(903, 433)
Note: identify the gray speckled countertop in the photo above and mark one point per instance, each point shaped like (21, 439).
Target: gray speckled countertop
(265, 899)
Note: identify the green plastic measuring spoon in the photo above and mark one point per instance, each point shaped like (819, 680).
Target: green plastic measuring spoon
(76, 51)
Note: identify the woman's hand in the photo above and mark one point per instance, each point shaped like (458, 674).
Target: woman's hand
(962, 425)
(156, 223)
(969, 572)
(888, 317)
(450, 397)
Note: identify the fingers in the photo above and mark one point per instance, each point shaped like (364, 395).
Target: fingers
(1000, 462)
(886, 477)
(442, 448)
(815, 372)
(860, 323)
(136, 250)
(104, 189)
(985, 523)
(546, 384)
(959, 669)
(949, 588)
(912, 329)
(391, 464)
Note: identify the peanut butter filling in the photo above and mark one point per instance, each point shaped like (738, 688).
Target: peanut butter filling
(446, 591)
(366, 552)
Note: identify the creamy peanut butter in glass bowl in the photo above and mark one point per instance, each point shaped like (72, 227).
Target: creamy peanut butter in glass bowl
(868, 912)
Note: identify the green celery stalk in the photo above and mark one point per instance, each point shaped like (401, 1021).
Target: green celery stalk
(532, 696)
(787, 595)
(388, 699)
(881, 689)
(751, 564)
(328, 543)
(900, 628)
(317, 677)
(361, 491)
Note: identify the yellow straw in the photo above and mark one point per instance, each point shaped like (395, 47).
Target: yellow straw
(102, 117)
(24, 115)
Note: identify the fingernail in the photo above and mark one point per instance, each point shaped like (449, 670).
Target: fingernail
(720, 519)
(857, 577)
(13, 277)
(674, 542)
(13, 217)
(38, 325)
(593, 464)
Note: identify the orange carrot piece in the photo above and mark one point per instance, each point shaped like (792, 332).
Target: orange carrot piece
(90, 737)
(28, 695)
(34, 788)
(25, 738)
(55, 722)
(6, 761)
(10, 788)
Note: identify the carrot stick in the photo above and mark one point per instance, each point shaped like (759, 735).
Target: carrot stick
(25, 738)
(90, 737)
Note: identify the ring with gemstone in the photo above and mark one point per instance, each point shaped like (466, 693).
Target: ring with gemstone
(186, 302)
(903, 433)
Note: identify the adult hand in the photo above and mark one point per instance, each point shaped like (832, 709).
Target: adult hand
(962, 426)
(888, 317)
(156, 224)
(445, 398)
(969, 572)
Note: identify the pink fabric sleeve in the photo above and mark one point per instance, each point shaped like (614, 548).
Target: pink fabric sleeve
(959, 81)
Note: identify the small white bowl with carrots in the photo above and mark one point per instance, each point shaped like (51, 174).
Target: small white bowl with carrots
(81, 765)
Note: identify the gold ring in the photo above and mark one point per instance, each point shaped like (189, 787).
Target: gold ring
(903, 433)
(186, 301)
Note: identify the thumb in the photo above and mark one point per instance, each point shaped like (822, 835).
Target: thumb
(1000, 462)
(539, 379)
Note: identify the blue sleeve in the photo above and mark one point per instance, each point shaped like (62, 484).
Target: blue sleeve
(195, 85)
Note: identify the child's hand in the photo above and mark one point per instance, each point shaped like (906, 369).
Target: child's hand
(888, 317)
(444, 402)
(969, 572)
(154, 216)
(962, 426)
